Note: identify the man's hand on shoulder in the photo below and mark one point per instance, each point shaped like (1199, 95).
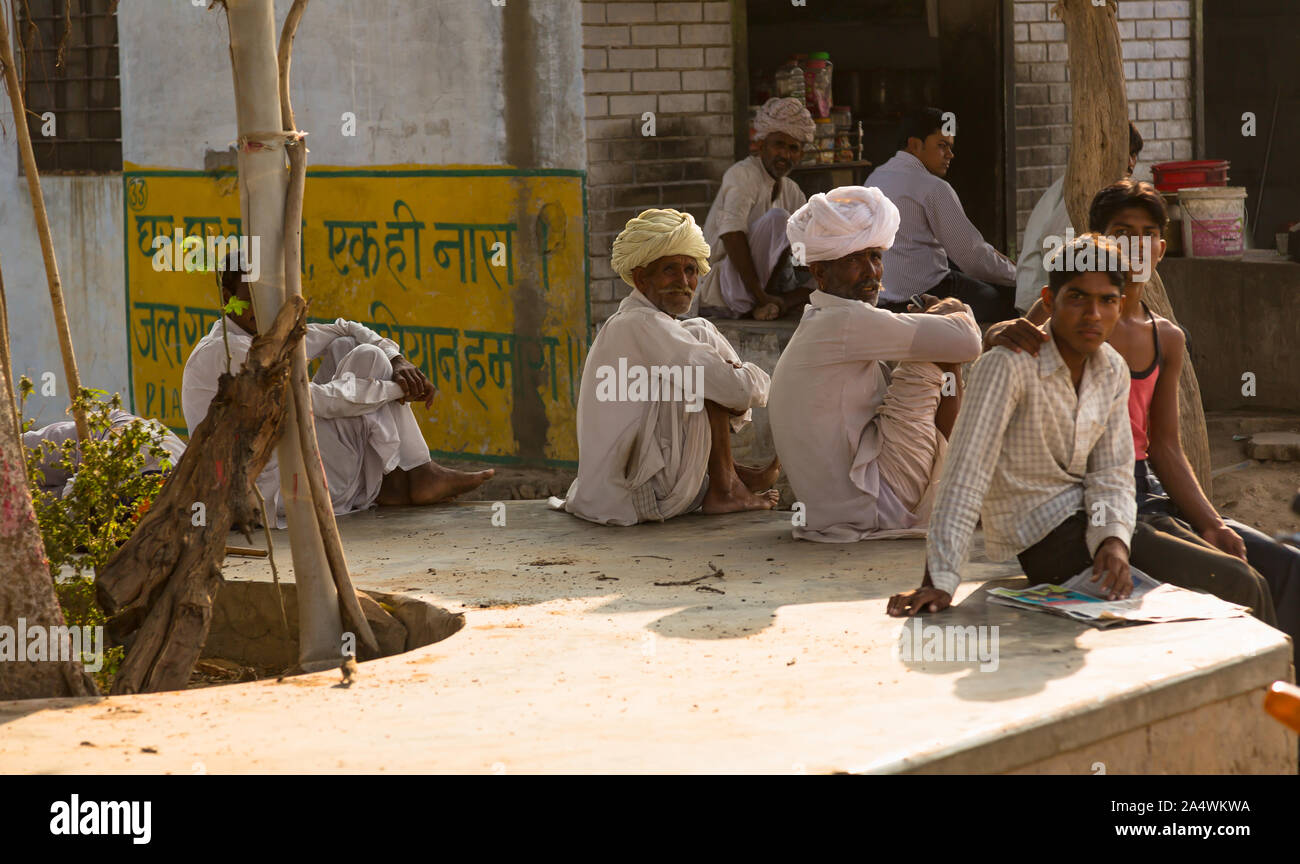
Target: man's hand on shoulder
(415, 387)
(1020, 334)
(946, 306)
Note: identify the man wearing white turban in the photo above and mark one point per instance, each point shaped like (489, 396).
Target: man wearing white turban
(752, 272)
(660, 396)
(862, 446)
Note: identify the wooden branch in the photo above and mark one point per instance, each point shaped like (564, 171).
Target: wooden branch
(322, 506)
(33, 177)
(160, 584)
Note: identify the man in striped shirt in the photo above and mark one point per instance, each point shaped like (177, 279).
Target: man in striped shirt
(1042, 452)
(938, 251)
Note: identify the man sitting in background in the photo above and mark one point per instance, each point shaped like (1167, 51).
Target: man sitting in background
(370, 444)
(660, 397)
(751, 271)
(1050, 219)
(937, 251)
(57, 480)
(862, 447)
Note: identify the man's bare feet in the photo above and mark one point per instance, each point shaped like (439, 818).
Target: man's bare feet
(767, 312)
(731, 496)
(395, 490)
(759, 479)
(431, 482)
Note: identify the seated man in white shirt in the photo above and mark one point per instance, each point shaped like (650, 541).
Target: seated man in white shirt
(751, 272)
(937, 251)
(50, 439)
(862, 447)
(1043, 453)
(1050, 219)
(370, 443)
(660, 397)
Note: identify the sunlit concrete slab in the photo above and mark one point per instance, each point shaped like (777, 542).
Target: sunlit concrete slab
(778, 657)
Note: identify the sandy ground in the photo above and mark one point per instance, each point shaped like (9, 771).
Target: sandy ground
(1260, 494)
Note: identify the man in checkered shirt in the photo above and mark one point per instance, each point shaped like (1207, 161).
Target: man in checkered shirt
(1042, 452)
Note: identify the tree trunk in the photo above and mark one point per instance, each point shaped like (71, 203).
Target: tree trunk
(26, 590)
(262, 183)
(71, 377)
(1099, 157)
(161, 584)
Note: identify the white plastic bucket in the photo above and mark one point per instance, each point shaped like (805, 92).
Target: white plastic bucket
(1214, 220)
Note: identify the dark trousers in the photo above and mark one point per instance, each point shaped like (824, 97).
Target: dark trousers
(1278, 563)
(1164, 550)
(990, 303)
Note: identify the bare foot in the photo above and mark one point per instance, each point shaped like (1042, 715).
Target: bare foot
(431, 483)
(759, 479)
(767, 312)
(733, 497)
(395, 490)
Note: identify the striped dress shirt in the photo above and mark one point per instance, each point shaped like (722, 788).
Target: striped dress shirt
(933, 228)
(1032, 453)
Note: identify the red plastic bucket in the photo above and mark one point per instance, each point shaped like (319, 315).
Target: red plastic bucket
(1172, 176)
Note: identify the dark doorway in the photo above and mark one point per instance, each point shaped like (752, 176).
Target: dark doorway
(1251, 49)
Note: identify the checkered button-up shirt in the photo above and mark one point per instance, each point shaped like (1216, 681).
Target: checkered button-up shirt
(1033, 453)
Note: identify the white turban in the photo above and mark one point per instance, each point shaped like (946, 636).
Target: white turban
(842, 221)
(656, 234)
(786, 115)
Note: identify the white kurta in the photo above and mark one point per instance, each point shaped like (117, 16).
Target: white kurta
(1049, 218)
(861, 452)
(57, 479)
(362, 430)
(642, 461)
(745, 196)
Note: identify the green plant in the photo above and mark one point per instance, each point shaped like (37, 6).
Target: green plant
(104, 499)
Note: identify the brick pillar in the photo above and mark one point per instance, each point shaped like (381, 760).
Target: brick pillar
(674, 60)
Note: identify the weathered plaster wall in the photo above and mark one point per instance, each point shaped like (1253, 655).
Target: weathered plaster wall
(425, 82)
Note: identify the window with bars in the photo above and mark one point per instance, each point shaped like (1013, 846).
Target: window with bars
(70, 69)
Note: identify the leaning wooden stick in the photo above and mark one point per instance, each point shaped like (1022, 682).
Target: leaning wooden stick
(315, 468)
(42, 226)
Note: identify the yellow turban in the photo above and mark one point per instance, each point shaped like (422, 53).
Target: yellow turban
(657, 234)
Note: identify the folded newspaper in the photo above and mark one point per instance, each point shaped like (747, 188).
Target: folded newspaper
(1151, 602)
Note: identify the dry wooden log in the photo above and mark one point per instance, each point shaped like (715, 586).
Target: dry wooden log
(160, 585)
(1099, 157)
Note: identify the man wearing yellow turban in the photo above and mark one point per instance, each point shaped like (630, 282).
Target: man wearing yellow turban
(661, 396)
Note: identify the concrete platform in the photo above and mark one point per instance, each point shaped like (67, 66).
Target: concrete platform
(573, 659)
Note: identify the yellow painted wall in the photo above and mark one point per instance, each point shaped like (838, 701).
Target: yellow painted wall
(428, 257)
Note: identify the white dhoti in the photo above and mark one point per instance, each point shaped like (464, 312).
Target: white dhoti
(724, 294)
(646, 460)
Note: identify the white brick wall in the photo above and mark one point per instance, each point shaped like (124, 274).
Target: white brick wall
(673, 59)
(1156, 36)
